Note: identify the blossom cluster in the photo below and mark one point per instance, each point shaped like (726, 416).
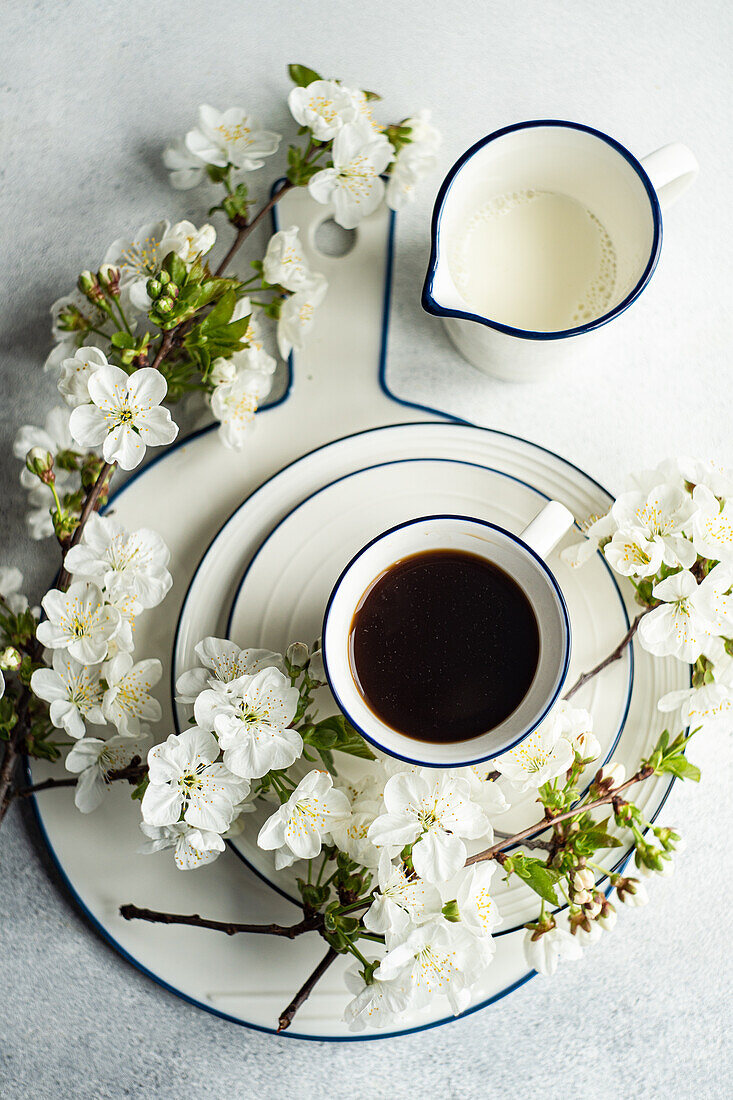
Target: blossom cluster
(672, 536)
(88, 631)
(404, 831)
(340, 122)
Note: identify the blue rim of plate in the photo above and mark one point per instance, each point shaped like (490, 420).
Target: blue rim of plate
(428, 301)
(501, 473)
(132, 480)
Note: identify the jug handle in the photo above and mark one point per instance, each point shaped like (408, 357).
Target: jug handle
(672, 169)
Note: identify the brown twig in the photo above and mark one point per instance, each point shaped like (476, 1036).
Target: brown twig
(551, 819)
(609, 660)
(311, 923)
(244, 230)
(286, 1017)
(132, 773)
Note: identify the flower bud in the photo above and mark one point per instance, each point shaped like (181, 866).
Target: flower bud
(89, 286)
(164, 305)
(607, 917)
(594, 906)
(631, 892)
(71, 319)
(10, 659)
(163, 278)
(109, 278)
(297, 654)
(222, 370)
(154, 288)
(40, 462)
(584, 879)
(581, 897)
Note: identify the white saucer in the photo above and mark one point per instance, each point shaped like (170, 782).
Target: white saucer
(286, 585)
(212, 591)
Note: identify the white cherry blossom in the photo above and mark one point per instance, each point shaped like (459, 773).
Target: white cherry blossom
(476, 907)
(543, 950)
(121, 561)
(193, 848)
(138, 258)
(486, 793)
(712, 526)
(185, 782)
(127, 700)
(632, 554)
(74, 692)
(296, 315)
(597, 531)
(251, 717)
(235, 403)
(437, 957)
(378, 1004)
(324, 106)
(80, 621)
(284, 262)
(660, 517)
(93, 759)
(230, 137)
(718, 479)
(435, 814)
(11, 583)
(126, 415)
(73, 383)
(414, 160)
(683, 624)
(354, 183)
(188, 242)
(223, 662)
(300, 825)
(576, 726)
(186, 169)
(540, 757)
(402, 899)
(709, 705)
(67, 341)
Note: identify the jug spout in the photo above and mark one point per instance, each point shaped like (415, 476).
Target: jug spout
(440, 295)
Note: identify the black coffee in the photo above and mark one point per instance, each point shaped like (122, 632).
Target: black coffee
(444, 646)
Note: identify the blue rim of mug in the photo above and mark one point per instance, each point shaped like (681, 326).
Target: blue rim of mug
(565, 663)
(430, 305)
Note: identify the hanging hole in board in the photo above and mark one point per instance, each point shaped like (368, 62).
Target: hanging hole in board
(333, 240)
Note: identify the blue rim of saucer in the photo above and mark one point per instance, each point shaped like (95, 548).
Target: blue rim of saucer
(563, 611)
(271, 882)
(430, 305)
(76, 898)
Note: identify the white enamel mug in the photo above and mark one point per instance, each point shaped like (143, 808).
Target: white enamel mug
(566, 158)
(522, 557)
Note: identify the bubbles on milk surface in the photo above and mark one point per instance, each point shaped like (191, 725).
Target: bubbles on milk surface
(536, 260)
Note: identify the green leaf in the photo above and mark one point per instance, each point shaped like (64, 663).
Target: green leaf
(681, 767)
(450, 911)
(122, 340)
(175, 267)
(302, 75)
(537, 875)
(221, 312)
(140, 790)
(371, 96)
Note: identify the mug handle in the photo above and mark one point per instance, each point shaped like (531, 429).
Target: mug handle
(672, 169)
(546, 529)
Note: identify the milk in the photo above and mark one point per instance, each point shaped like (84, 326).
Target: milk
(535, 260)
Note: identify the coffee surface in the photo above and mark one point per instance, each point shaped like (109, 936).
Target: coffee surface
(444, 646)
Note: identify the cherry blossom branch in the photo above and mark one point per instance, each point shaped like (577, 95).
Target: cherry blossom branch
(496, 850)
(132, 773)
(311, 923)
(615, 655)
(286, 1017)
(243, 231)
